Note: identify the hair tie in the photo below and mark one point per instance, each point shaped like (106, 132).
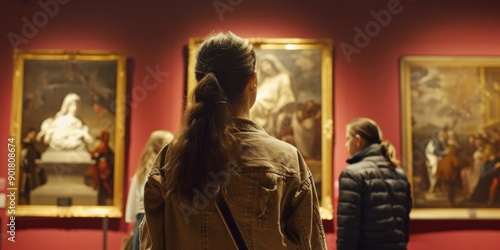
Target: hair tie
(221, 102)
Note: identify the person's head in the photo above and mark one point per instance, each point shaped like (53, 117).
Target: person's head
(225, 72)
(30, 134)
(157, 139)
(104, 136)
(270, 65)
(443, 136)
(70, 104)
(471, 140)
(480, 142)
(363, 132)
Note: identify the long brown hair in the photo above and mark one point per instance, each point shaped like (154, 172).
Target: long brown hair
(205, 144)
(368, 129)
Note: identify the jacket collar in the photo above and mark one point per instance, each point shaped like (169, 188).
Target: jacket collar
(245, 125)
(370, 150)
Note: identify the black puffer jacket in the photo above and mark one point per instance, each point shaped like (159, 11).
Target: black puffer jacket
(368, 216)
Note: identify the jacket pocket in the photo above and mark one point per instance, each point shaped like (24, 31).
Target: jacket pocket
(265, 201)
(268, 201)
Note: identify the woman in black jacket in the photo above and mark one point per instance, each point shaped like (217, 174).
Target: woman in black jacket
(375, 197)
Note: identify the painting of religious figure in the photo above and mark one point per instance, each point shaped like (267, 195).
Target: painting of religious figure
(294, 101)
(451, 135)
(68, 122)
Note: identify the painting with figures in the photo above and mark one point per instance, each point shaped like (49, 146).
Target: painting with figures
(451, 134)
(68, 115)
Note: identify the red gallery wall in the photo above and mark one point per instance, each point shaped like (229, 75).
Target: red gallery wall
(154, 33)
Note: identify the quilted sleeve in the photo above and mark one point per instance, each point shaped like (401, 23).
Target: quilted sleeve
(349, 211)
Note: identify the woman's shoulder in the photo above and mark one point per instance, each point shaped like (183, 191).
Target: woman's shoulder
(368, 164)
(276, 145)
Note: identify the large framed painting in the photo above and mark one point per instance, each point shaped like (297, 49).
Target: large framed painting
(451, 135)
(67, 133)
(294, 101)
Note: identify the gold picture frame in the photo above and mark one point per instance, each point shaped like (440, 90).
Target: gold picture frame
(68, 125)
(447, 101)
(308, 63)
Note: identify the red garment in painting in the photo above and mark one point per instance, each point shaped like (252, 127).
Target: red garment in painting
(102, 171)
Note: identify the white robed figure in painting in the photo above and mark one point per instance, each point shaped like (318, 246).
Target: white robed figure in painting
(65, 131)
(273, 95)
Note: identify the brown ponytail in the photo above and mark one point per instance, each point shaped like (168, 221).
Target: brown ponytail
(206, 143)
(389, 152)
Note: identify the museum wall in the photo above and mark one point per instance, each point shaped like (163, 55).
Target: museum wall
(154, 35)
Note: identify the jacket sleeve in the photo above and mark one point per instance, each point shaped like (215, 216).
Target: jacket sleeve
(349, 211)
(304, 225)
(151, 231)
(152, 236)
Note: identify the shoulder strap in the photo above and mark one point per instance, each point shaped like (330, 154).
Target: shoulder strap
(230, 223)
(163, 154)
(159, 169)
(222, 210)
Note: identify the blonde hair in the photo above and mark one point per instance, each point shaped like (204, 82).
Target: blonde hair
(156, 141)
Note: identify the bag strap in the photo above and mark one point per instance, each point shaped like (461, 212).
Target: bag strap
(222, 210)
(163, 154)
(230, 223)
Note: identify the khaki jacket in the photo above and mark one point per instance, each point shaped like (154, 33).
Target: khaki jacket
(272, 199)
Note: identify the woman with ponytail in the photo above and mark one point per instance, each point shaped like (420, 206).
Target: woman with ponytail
(222, 157)
(374, 193)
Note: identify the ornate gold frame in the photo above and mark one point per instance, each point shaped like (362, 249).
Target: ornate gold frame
(324, 46)
(484, 101)
(118, 105)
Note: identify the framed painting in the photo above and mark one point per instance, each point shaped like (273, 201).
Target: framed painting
(301, 112)
(67, 133)
(451, 137)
